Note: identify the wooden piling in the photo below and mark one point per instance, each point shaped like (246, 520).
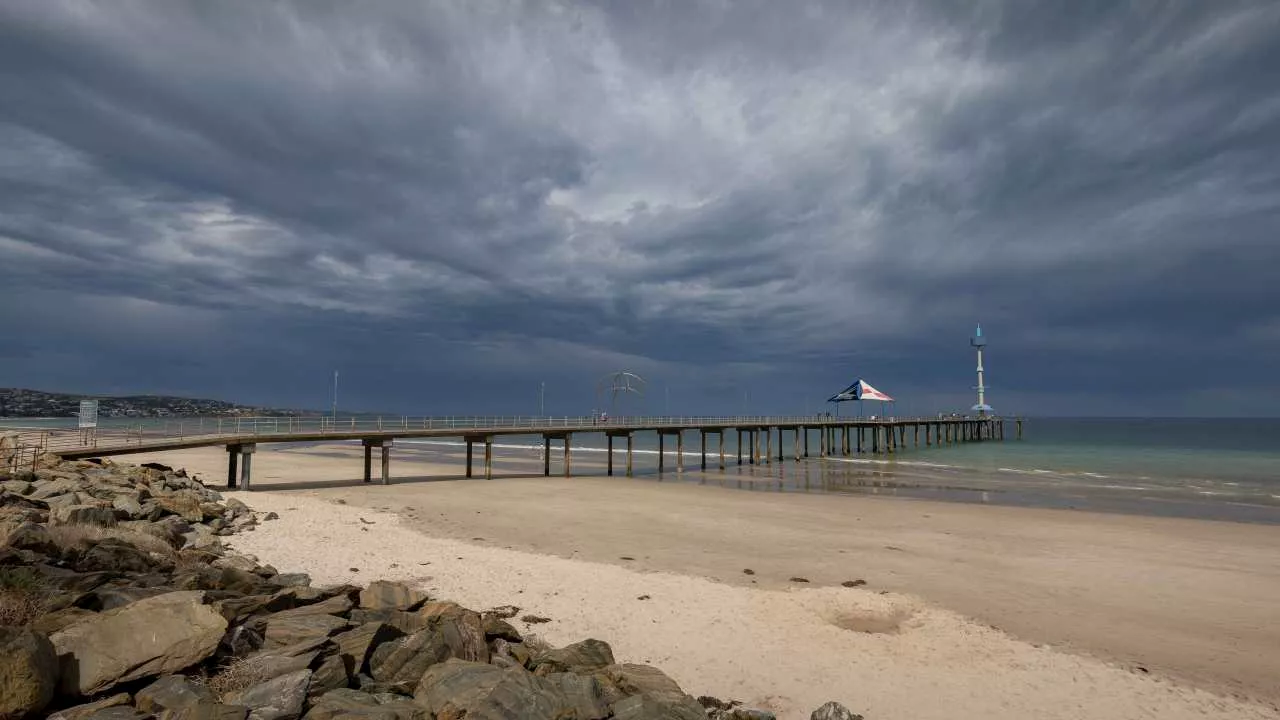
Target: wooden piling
(386, 462)
(662, 454)
(469, 454)
(609, 452)
(680, 451)
(233, 458)
(720, 433)
(568, 454)
(546, 455)
(488, 457)
(702, 437)
(630, 440)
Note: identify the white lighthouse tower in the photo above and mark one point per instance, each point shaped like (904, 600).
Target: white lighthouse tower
(979, 342)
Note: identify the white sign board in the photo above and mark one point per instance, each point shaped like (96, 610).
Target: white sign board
(88, 413)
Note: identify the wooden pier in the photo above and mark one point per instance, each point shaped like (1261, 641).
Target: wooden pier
(835, 437)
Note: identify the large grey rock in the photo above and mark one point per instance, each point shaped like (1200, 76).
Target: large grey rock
(386, 595)
(153, 636)
(331, 674)
(292, 629)
(183, 503)
(128, 506)
(31, 536)
(207, 711)
(171, 692)
(465, 629)
(279, 698)
(45, 489)
(335, 605)
(583, 695)
(405, 622)
(345, 703)
(477, 691)
(83, 515)
(580, 657)
(834, 711)
(118, 712)
(356, 645)
(81, 712)
(28, 672)
(400, 663)
(649, 707)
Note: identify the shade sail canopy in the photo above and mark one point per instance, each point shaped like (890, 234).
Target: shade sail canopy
(860, 390)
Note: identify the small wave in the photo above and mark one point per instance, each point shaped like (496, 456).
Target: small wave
(896, 463)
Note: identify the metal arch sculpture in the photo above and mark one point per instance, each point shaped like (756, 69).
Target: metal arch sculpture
(621, 382)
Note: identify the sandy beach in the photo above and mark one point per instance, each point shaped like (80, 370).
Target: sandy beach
(969, 611)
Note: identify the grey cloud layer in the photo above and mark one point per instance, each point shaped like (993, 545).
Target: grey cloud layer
(721, 194)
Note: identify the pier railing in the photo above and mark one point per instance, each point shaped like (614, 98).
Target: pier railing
(55, 440)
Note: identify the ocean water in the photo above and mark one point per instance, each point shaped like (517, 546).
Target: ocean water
(1222, 469)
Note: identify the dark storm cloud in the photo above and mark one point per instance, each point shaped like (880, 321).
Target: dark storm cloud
(455, 201)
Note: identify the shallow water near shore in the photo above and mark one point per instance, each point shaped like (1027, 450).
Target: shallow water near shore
(1207, 469)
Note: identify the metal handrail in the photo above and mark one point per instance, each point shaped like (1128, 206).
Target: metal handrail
(54, 440)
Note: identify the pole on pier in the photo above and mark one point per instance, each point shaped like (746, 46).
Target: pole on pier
(368, 461)
(629, 444)
(568, 454)
(386, 462)
(768, 446)
(546, 455)
(233, 457)
(795, 443)
(662, 453)
(246, 467)
(469, 454)
(609, 440)
(720, 434)
(1019, 428)
(781, 453)
(702, 441)
(680, 451)
(805, 431)
(488, 457)
(739, 446)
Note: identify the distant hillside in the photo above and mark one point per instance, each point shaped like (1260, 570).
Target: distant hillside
(17, 402)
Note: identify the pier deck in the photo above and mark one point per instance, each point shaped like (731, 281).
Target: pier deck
(835, 436)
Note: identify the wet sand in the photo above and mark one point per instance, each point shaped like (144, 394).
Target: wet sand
(1163, 598)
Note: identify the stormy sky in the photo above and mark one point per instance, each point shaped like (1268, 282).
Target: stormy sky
(749, 204)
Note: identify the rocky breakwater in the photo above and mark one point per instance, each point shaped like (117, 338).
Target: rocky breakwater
(118, 601)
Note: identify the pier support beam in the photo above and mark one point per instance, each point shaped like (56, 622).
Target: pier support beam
(768, 446)
(795, 443)
(469, 454)
(662, 452)
(568, 454)
(630, 444)
(386, 462)
(233, 458)
(680, 451)
(720, 433)
(702, 439)
(246, 466)
(805, 431)
(488, 458)
(546, 455)
(609, 452)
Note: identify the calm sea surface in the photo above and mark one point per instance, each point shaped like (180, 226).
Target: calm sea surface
(1212, 468)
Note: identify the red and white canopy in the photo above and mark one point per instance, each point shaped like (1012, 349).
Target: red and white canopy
(860, 390)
